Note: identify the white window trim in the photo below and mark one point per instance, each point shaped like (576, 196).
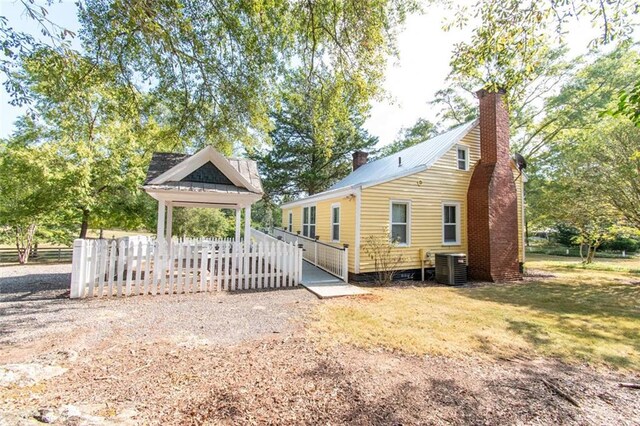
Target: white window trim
(333, 206)
(466, 157)
(290, 222)
(408, 203)
(456, 204)
(302, 218)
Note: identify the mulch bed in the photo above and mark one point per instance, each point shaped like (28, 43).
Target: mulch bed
(294, 381)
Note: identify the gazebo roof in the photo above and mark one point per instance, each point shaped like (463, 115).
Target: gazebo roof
(206, 179)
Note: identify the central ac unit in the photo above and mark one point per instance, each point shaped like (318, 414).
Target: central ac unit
(451, 269)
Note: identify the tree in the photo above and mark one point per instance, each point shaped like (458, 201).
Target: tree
(615, 155)
(97, 127)
(629, 102)
(203, 223)
(421, 131)
(33, 204)
(508, 46)
(218, 66)
(312, 145)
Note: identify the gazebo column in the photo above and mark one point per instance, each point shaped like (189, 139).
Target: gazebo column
(247, 224)
(169, 232)
(160, 229)
(238, 211)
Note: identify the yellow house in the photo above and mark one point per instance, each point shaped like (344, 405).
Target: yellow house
(422, 198)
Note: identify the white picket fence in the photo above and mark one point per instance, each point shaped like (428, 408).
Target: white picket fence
(330, 257)
(138, 267)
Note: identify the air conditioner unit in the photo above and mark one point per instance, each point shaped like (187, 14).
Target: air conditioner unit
(451, 269)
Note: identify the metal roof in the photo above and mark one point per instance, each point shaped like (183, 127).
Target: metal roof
(414, 158)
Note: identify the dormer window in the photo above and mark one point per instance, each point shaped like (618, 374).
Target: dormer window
(463, 158)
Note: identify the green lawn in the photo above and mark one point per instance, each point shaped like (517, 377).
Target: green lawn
(579, 315)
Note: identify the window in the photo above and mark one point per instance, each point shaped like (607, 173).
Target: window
(463, 158)
(309, 222)
(400, 211)
(335, 223)
(450, 224)
(290, 226)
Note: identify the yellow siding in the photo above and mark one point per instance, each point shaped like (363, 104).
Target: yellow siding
(427, 191)
(323, 221)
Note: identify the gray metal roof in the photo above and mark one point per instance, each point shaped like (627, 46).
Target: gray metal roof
(421, 155)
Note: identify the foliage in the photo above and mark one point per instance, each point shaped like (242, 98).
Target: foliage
(200, 223)
(312, 145)
(218, 66)
(615, 158)
(566, 234)
(421, 131)
(629, 102)
(386, 259)
(98, 126)
(509, 44)
(32, 181)
(266, 214)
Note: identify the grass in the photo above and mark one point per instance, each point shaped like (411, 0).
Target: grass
(578, 315)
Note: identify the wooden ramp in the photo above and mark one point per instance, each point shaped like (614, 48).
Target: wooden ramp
(324, 285)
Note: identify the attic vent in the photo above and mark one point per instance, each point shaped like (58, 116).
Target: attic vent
(399, 161)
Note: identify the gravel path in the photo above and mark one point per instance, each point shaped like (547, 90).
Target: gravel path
(36, 314)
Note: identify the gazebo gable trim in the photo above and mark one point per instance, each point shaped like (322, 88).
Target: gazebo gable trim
(193, 163)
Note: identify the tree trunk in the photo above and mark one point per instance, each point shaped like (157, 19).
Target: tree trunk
(84, 227)
(24, 250)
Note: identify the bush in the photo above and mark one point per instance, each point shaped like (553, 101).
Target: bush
(386, 260)
(622, 243)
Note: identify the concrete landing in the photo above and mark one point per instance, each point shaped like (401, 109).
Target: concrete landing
(324, 285)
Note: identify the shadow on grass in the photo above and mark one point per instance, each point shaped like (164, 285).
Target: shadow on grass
(587, 321)
(600, 300)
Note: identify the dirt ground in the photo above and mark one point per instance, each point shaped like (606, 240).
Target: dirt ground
(249, 359)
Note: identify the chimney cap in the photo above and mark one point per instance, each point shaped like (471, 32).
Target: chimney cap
(487, 90)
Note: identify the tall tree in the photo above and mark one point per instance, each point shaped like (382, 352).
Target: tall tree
(312, 145)
(218, 65)
(95, 124)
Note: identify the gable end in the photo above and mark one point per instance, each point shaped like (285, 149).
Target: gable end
(207, 173)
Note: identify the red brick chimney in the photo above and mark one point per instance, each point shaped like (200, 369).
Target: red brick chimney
(359, 159)
(491, 199)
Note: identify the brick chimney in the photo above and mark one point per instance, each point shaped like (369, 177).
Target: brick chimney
(359, 159)
(491, 198)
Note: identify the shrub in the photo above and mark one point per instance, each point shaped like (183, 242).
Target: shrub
(386, 261)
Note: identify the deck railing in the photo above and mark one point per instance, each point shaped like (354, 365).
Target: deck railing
(332, 258)
(136, 267)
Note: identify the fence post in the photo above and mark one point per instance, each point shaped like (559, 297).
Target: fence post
(300, 254)
(315, 251)
(345, 264)
(78, 267)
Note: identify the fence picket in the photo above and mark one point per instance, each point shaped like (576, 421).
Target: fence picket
(130, 251)
(138, 281)
(179, 250)
(120, 267)
(93, 262)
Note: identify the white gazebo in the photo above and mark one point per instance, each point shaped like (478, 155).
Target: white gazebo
(206, 179)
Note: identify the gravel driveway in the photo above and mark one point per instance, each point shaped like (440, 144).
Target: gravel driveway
(36, 313)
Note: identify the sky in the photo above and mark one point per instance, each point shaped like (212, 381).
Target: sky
(411, 80)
